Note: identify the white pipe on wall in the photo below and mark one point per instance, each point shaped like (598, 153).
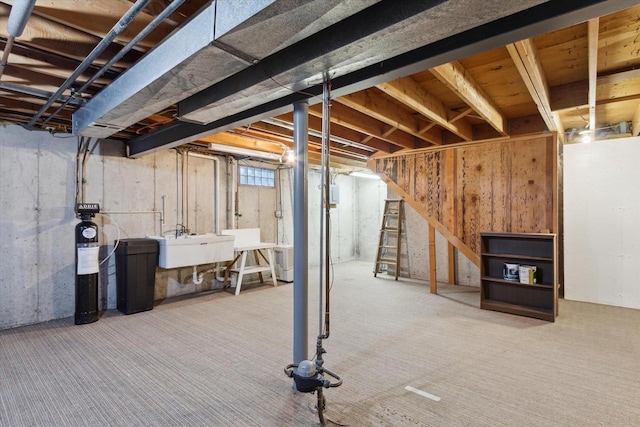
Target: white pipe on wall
(216, 189)
(231, 193)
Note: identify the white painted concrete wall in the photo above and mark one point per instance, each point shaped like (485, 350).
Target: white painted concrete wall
(371, 195)
(36, 227)
(602, 222)
(355, 221)
(257, 206)
(37, 220)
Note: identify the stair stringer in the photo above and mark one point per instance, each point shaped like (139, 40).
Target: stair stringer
(441, 228)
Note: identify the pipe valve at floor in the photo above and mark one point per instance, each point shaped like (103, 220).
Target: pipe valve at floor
(308, 378)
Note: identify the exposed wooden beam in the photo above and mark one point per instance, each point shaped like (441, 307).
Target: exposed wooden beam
(280, 136)
(97, 17)
(250, 143)
(461, 114)
(593, 73)
(41, 61)
(525, 57)
(267, 132)
(610, 88)
(373, 104)
(315, 158)
(238, 140)
(362, 123)
(57, 38)
(341, 132)
(25, 77)
(26, 106)
(570, 95)
(410, 93)
(455, 77)
(260, 144)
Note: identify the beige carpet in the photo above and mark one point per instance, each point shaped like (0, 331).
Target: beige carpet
(217, 360)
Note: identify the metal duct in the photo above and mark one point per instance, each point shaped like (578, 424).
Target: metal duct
(381, 32)
(224, 38)
(20, 13)
(376, 45)
(18, 17)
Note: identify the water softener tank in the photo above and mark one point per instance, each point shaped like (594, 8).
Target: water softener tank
(87, 266)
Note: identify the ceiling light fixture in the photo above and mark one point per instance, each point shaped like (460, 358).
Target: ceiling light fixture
(289, 156)
(585, 136)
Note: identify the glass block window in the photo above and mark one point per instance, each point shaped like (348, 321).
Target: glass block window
(256, 176)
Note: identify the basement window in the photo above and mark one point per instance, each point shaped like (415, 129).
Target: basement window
(256, 176)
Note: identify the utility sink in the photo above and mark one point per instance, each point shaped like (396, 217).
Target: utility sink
(190, 250)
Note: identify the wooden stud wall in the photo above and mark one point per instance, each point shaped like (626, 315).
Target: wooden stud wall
(504, 185)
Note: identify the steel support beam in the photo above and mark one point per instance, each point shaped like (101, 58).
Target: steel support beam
(300, 233)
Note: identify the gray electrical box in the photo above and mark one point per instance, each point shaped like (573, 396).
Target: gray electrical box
(334, 194)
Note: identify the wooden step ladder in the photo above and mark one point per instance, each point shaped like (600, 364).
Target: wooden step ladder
(390, 235)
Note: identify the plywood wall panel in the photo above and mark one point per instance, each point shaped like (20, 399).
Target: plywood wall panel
(449, 199)
(528, 184)
(420, 185)
(502, 185)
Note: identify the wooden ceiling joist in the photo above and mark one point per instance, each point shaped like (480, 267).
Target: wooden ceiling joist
(375, 105)
(610, 88)
(362, 123)
(242, 141)
(97, 17)
(62, 40)
(339, 132)
(525, 56)
(456, 78)
(48, 64)
(411, 94)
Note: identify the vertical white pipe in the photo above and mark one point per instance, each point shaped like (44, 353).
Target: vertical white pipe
(231, 195)
(216, 188)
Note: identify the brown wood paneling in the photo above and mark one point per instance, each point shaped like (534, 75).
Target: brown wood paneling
(506, 185)
(449, 197)
(529, 198)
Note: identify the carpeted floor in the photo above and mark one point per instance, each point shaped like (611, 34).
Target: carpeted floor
(217, 360)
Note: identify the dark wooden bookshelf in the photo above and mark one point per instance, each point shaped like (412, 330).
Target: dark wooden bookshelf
(540, 299)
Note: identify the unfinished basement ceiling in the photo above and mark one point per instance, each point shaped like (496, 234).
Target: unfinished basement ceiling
(404, 75)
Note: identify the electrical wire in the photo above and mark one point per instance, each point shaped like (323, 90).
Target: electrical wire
(115, 246)
(78, 169)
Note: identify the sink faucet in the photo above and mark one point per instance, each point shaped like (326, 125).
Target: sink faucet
(181, 230)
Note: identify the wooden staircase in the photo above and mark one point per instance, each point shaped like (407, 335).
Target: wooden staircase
(390, 236)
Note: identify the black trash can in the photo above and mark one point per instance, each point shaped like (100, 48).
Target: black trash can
(136, 262)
